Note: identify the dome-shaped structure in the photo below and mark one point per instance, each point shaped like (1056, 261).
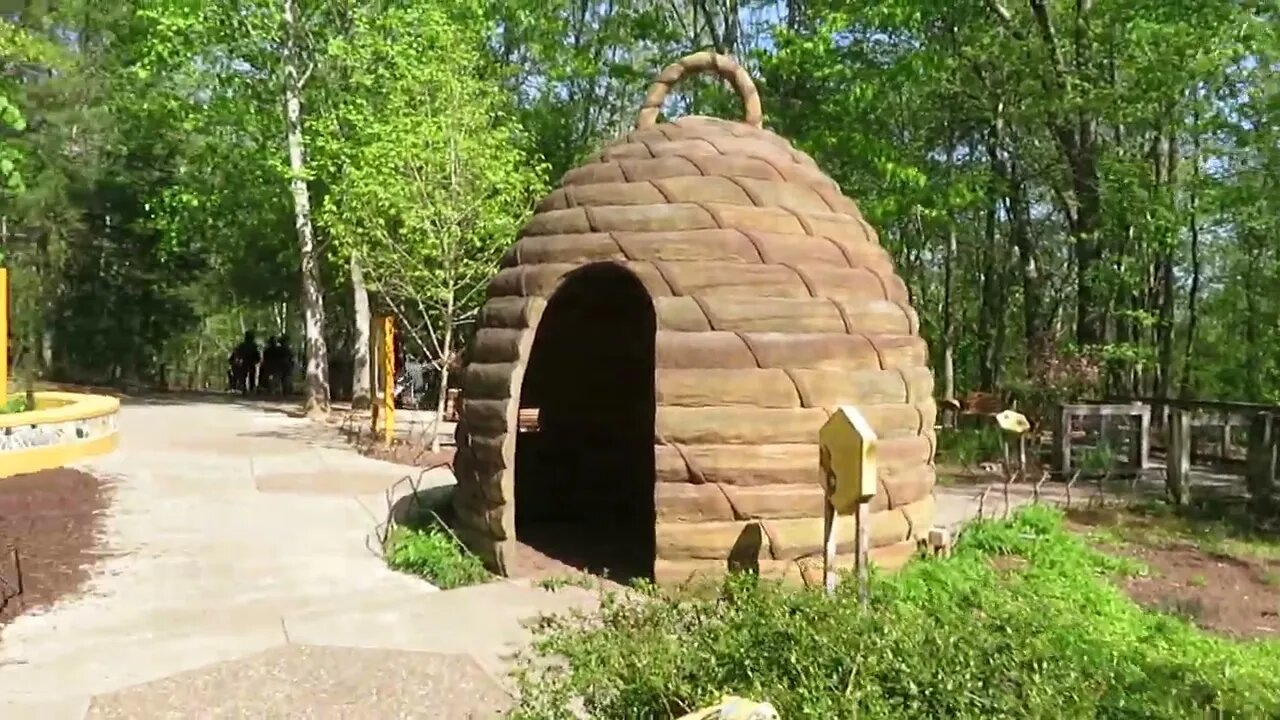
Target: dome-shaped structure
(684, 312)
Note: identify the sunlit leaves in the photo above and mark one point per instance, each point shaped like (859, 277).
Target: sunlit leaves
(429, 177)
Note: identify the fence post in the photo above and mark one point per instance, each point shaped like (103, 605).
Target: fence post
(1261, 473)
(1062, 439)
(1142, 440)
(1178, 472)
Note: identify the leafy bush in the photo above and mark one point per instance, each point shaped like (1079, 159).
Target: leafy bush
(970, 446)
(1021, 622)
(432, 553)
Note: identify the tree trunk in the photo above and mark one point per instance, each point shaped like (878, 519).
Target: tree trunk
(317, 399)
(1037, 334)
(1194, 295)
(992, 299)
(361, 381)
(948, 317)
(1090, 312)
(991, 312)
(445, 361)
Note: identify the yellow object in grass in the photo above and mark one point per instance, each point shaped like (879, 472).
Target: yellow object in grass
(735, 708)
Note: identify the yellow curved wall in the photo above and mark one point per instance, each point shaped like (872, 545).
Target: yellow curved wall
(56, 408)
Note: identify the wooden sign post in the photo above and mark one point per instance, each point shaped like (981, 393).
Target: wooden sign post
(388, 379)
(847, 455)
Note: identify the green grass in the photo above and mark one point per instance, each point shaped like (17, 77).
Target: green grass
(433, 554)
(971, 636)
(969, 446)
(1211, 530)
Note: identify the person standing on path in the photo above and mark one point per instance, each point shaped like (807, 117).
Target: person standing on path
(249, 360)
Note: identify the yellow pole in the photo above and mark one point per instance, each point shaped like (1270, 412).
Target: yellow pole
(4, 336)
(388, 378)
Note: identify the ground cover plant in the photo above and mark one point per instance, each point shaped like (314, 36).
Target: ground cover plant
(14, 404)
(1023, 621)
(432, 552)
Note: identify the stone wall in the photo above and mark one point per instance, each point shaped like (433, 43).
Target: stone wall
(22, 437)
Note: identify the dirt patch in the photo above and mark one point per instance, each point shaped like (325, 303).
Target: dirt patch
(533, 563)
(354, 428)
(407, 454)
(1232, 594)
(1229, 595)
(53, 519)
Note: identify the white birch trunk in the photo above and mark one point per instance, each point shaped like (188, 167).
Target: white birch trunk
(361, 380)
(317, 397)
(445, 360)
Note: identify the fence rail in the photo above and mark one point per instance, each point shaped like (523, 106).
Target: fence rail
(1175, 419)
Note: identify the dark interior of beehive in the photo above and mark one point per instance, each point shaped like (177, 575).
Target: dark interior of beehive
(584, 478)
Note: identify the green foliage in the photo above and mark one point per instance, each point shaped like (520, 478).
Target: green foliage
(19, 48)
(1099, 459)
(1022, 622)
(15, 404)
(1230, 531)
(430, 179)
(147, 137)
(969, 446)
(433, 554)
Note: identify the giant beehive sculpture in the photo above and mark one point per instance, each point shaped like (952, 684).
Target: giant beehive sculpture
(774, 302)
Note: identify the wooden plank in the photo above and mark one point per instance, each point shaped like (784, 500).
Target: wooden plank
(1131, 410)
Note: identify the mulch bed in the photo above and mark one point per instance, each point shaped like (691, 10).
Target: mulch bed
(53, 518)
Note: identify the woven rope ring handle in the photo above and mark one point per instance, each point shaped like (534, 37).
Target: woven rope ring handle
(723, 65)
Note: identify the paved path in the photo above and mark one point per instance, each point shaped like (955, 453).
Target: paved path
(243, 581)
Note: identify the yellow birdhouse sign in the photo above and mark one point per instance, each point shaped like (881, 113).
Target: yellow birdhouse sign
(1012, 421)
(848, 458)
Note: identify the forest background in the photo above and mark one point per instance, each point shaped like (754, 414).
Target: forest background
(1081, 196)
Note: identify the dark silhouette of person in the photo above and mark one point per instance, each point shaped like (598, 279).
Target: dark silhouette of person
(286, 365)
(245, 361)
(270, 365)
(233, 371)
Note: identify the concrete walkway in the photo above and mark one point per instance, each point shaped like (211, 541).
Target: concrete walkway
(243, 581)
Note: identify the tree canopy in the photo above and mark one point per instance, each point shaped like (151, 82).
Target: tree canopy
(1081, 196)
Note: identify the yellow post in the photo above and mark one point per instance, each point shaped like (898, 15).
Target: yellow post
(388, 379)
(4, 336)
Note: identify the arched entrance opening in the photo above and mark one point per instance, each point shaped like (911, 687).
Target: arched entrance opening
(584, 477)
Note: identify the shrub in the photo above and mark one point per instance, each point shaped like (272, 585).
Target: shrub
(969, 446)
(1047, 636)
(432, 553)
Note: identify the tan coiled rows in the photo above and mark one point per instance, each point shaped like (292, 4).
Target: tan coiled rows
(775, 302)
